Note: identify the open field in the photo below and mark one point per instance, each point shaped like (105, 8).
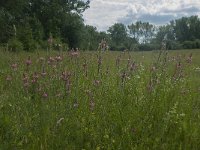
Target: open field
(91, 100)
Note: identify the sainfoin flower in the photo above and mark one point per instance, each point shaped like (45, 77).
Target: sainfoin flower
(14, 66)
(28, 61)
(58, 58)
(44, 95)
(96, 82)
(8, 78)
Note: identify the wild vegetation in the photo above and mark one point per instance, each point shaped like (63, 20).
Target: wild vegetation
(62, 89)
(102, 100)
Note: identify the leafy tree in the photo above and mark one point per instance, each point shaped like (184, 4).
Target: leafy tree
(71, 30)
(135, 30)
(36, 19)
(90, 38)
(6, 26)
(143, 32)
(148, 31)
(182, 29)
(118, 33)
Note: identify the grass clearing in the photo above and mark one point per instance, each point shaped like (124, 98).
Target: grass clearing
(91, 100)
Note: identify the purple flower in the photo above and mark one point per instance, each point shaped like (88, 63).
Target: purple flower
(14, 66)
(8, 78)
(28, 61)
(44, 95)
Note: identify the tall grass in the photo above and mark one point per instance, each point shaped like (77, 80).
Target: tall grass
(110, 100)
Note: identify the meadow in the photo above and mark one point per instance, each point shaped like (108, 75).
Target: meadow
(100, 100)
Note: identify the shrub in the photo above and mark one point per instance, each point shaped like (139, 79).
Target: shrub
(191, 44)
(134, 47)
(15, 45)
(117, 47)
(57, 44)
(173, 45)
(188, 44)
(30, 45)
(148, 47)
(197, 43)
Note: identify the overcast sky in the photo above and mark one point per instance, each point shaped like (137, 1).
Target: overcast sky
(104, 13)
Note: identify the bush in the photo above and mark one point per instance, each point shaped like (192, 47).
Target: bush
(117, 47)
(197, 43)
(134, 47)
(43, 44)
(148, 47)
(25, 35)
(57, 44)
(188, 44)
(30, 45)
(15, 45)
(191, 44)
(65, 47)
(173, 45)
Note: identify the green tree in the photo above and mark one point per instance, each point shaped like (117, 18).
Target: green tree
(182, 29)
(71, 30)
(142, 31)
(6, 26)
(148, 31)
(40, 18)
(90, 38)
(118, 33)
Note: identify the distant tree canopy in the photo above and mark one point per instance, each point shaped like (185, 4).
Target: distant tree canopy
(181, 33)
(27, 24)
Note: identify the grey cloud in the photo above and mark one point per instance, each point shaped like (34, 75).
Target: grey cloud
(165, 16)
(188, 10)
(155, 19)
(104, 13)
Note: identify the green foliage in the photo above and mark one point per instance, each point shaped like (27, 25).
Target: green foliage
(142, 31)
(187, 28)
(37, 30)
(71, 30)
(118, 33)
(15, 45)
(35, 19)
(118, 47)
(90, 38)
(6, 26)
(191, 44)
(148, 47)
(165, 31)
(57, 44)
(24, 34)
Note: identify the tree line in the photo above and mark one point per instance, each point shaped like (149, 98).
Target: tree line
(29, 24)
(182, 33)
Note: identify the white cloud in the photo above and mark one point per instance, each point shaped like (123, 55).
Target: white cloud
(104, 13)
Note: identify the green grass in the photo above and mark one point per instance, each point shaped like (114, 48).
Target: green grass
(102, 106)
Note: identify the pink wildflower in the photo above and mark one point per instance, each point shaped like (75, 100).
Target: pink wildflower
(44, 95)
(8, 78)
(14, 66)
(28, 61)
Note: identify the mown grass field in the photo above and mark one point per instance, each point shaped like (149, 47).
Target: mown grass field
(91, 100)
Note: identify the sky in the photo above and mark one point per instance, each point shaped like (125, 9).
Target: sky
(104, 13)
